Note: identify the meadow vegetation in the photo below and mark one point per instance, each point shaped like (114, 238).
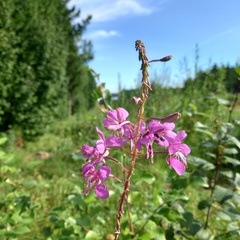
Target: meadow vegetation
(41, 194)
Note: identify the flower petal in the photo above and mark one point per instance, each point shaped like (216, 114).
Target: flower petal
(87, 150)
(100, 133)
(122, 114)
(179, 147)
(88, 170)
(100, 145)
(113, 141)
(101, 191)
(103, 172)
(177, 165)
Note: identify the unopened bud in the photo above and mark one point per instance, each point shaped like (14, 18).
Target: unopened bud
(135, 100)
(169, 119)
(165, 59)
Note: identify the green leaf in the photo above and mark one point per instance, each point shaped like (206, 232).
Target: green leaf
(200, 125)
(29, 183)
(233, 161)
(8, 158)
(145, 235)
(199, 181)
(237, 181)
(22, 229)
(151, 233)
(224, 216)
(134, 196)
(206, 132)
(232, 226)
(230, 151)
(204, 235)
(180, 183)
(208, 144)
(77, 200)
(46, 231)
(2, 154)
(200, 163)
(91, 235)
(188, 216)
(222, 194)
(5, 169)
(158, 233)
(204, 204)
(193, 106)
(11, 235)
(34, 164)
(3, 140)
(235, 215)
(149, 225)
(227, 173)
(223, 101)
(84, 221)
(69, 222)
(101, 220)
(77, 156)
(194, 228)
(142, 175)
(233, 140)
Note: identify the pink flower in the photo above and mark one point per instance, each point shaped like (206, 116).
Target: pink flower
(161, 134)
(94, 179)
(130, 133)
(116, 119)
(177, 154)
(97, 153)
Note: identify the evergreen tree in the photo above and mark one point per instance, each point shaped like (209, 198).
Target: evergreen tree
(40, 59)
(232, 82)
(79, 76)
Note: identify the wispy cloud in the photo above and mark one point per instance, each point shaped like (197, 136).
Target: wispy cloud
(101, 34)
(216, 36)
(111, 9)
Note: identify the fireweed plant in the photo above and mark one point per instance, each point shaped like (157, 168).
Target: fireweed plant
(154, 135)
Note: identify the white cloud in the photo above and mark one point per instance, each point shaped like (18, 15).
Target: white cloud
(105, 10)
(101, 34)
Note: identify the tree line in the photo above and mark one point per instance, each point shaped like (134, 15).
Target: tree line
(43, 64)
(216, 79)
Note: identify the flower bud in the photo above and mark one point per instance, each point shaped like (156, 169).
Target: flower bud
(169, 119)
(165, 59)
(135, 100)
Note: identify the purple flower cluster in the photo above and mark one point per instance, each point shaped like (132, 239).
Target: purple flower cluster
(155, 132)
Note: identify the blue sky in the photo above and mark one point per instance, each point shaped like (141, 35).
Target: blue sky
(167, 27)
